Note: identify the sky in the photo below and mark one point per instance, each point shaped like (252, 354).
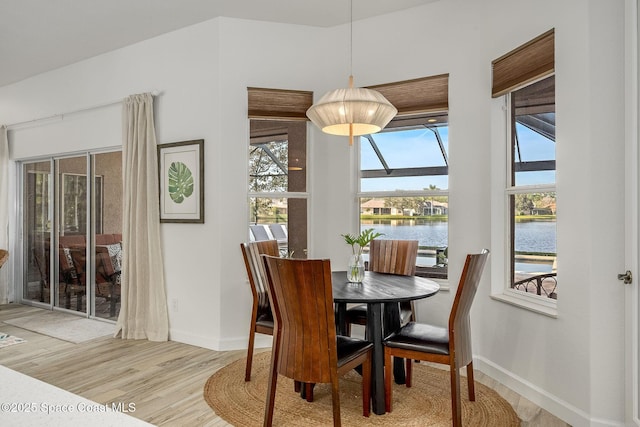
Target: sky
(419, 148)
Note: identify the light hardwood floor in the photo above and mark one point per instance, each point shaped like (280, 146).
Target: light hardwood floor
(164, 380)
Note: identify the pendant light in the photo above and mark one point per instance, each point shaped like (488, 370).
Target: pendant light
(351, 111)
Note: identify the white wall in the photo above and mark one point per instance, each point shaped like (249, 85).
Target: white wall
(183, 65)
(571, 364)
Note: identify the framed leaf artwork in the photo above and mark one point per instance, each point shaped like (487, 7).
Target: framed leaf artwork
(181, 176)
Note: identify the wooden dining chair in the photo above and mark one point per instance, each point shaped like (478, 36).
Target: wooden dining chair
(4, 256)
(73, 270)
(306, 347)
(261, 316)
(450, 346)
(392, 257)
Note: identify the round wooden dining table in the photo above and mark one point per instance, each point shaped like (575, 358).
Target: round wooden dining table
(382, 293)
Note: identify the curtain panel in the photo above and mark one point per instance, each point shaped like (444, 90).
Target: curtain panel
(4, 212)
(143, 312)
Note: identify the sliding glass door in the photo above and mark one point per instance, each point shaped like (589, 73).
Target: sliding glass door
(106, 218)
(73, 233)
(38, 222)
(72, 230)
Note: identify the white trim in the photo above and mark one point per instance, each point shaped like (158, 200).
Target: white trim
(632, 209)
(280, 195)
(523, 189)
(551, 403)
(527, 302)
(536, 304)
(216, 344)
(403, 193)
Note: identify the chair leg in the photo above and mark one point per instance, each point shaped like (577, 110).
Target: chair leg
(271, 390)
(252, 336)
(335, 399)
(408, 372)
(470, 382)
(366, 386)
(308, 391)
(388, 373)
(456, 404)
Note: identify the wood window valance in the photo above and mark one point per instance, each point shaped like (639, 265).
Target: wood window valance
(423, 95)
(278, 104)
(523, 65)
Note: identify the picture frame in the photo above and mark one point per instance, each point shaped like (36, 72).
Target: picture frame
(181, 181)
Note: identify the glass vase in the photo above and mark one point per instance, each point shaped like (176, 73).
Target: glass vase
(355, 269)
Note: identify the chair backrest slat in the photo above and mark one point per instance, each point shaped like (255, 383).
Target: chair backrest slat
(302, 304)
(459, 322)
(393, 256)
(4, 256)
(256, 272)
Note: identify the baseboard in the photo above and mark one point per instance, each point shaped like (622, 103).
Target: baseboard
(552, 404)
(192, 339)
(261, 341)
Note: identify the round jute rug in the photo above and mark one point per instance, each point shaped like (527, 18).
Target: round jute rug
(426, 403)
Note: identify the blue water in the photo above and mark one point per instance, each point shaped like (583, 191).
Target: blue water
(531, 236)
(425, 232)
(536, 236)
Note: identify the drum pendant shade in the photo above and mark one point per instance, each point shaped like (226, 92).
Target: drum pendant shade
(352, 111)
(367, 110)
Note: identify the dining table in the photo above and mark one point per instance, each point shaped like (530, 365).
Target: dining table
(382, 293)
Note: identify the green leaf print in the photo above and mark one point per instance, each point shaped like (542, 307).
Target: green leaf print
(180, 182)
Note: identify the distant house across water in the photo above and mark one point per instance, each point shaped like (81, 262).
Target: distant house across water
(429, 207)
(377, 207)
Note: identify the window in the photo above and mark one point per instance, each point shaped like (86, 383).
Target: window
(404, 186)
(277, 184)
(531, 190)
(525, 78)
(278, 167)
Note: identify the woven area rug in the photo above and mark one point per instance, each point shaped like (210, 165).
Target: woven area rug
(426, 403)
(63, 326)
(6, 340)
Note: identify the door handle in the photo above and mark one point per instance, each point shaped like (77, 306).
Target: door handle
(626, 277)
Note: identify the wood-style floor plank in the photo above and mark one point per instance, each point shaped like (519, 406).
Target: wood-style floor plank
(164, 380)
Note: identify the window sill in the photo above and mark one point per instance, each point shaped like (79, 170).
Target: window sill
(547, 308)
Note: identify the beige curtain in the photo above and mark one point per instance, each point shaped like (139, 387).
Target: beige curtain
(143, 313)
(4, 212)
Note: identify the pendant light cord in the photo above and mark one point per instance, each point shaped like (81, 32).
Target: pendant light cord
(351, 39)
(350, 63)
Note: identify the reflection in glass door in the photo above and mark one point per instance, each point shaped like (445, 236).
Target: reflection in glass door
(107, 219)
(71, 217)
(37, 236)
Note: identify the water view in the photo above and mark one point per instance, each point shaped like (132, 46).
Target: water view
(531, 237)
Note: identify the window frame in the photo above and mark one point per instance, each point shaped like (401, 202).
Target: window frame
(282, 105)
(526, 64)
(501, 290)
(286, 195)
(444, 282)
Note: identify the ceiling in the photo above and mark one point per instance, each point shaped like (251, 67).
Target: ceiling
(41, 35)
